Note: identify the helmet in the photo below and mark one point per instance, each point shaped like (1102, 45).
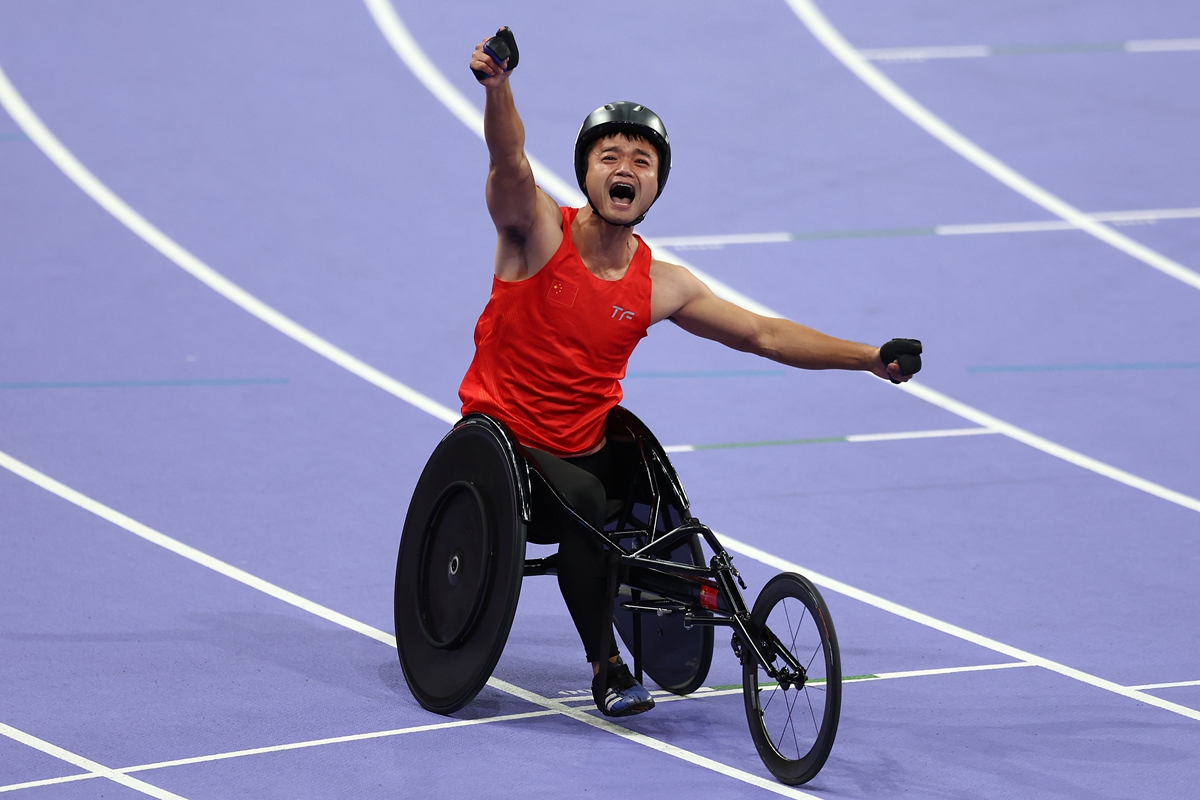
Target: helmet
(623, 117)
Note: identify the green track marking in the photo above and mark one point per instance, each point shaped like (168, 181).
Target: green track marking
(141, 384)
(1084, 367)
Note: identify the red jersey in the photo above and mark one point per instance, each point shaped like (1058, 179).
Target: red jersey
(550, 350)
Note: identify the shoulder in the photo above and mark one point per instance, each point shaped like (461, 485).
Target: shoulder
(672, 288)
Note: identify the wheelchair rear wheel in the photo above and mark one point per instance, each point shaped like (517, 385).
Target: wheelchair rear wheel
(458, 573)
(794, 719)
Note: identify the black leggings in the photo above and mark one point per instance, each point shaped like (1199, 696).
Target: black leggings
(582, 562)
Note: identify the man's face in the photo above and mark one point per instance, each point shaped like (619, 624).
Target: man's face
(622, 177)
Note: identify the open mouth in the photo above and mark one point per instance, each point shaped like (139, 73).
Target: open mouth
(622, 194)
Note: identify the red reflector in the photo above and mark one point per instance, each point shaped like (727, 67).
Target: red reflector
(708, 597)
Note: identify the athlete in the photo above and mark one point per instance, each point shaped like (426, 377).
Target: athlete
(574, 291)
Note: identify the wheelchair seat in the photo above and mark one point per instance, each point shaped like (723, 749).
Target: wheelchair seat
(462, 558)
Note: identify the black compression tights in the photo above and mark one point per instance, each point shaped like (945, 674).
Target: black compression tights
(582, 563)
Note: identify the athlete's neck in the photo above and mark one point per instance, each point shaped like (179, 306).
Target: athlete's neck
(606, 249)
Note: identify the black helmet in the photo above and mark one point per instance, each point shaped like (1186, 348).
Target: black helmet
(623, 117)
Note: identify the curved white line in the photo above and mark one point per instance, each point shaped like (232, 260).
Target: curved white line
(410, 52)
(869, 74)
(49, 144)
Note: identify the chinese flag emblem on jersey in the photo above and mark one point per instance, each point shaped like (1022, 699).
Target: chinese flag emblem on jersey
(561, 292)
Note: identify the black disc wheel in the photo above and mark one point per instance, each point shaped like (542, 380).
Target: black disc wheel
(675, 656)
(458, 574)
(793, 715)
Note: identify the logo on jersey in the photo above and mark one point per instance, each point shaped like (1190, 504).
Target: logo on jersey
(621, 314)
(563, 293)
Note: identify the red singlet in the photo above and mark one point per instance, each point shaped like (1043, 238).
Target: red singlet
(550, 350)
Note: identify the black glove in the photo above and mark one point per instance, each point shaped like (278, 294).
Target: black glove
(905, 351)
(501, 46)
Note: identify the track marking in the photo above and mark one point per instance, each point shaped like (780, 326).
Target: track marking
(832, 39)
(392, 27)
(1174, 685)
(1085, 367)
(717, 241)
(142, 384)
(33, 127)
(192, 554)
(410, 52)
(870, 599)
(162, 540)
(855, 437)
(357, 737)
(1048, 447)
(93, 768)
(661, 695)
(917, 54)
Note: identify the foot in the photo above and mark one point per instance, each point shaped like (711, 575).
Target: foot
(624, 696)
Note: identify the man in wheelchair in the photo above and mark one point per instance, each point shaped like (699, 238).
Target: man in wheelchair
(574, 291)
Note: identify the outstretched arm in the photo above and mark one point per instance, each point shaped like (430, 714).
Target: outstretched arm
(684, 299)
(525, 217)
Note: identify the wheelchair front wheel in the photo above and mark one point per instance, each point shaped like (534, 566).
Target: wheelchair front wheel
(793, 719)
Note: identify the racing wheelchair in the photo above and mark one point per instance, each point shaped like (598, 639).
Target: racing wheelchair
(462, 560)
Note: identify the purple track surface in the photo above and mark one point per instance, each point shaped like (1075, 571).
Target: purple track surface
(288, 146)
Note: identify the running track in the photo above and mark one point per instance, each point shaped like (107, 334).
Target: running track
(294, 152)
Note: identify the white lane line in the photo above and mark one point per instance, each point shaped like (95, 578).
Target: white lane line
(911, 54)
(162, 540)
(854, 437)
(192, 554)
(280, 748)
(833, 40)
(49, 144)
(714, 241)
(894, 437)
(1119, 217)
(99, 770)
(834, 585)
(397, 34)
(1173, 685)
(661, 695)
(925, 53)
(1049, 447)
(1161, 45)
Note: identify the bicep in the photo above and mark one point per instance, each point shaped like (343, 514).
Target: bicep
(512, 198)
(691, 304)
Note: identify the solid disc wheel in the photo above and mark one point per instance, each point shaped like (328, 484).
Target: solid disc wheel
(793, 718)
(458, 573)
(675, 656)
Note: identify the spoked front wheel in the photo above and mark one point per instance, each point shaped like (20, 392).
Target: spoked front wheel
(794, 716)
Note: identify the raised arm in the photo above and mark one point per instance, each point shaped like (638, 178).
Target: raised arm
(527, 220)
(684, 299)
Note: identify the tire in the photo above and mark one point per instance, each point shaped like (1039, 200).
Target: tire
(459, 569)
(793, 726)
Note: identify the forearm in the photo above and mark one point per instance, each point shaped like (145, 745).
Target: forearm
(503, 130)
(798, 346)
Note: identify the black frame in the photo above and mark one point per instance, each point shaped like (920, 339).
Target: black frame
(705, 595)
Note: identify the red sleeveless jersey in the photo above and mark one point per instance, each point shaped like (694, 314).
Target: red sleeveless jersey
(550, 350)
